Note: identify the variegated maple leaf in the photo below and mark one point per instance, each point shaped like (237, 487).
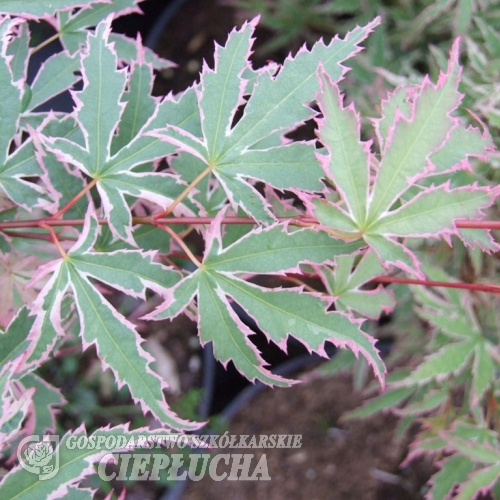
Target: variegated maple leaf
(419, 126)
(475, 469)
(117, 343)
(471, 451)
(464, 344)
(15, 166)
(36, 9)
(278, 312)
(254, 148)
(344, 284)
(72, 27)
(113, 111)
(14, 406)
(460, 346)
(77, 462)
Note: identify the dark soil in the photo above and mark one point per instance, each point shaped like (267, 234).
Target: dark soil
(356, 460)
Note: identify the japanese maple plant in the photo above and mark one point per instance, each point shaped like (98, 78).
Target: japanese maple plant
(108, 193)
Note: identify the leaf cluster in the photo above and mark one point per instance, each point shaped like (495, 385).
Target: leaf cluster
(94, 199)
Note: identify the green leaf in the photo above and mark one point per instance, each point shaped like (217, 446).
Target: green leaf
(178, 298)
(456, 318)
(139, 107)
(348, 160)
(33, 9)
(483, 371)
(11, 172)
(128, 50)
(463, 142)
(406, 152)
(14, 341)
(104, 107)
(447, 361)
(394, 104)
(283, 313)
(432, 211)
(283, 167)
(74, 462)
(48, 323)
(345, 285)
(481, 480)
(390, 251)
(294, 85)
(45, 400)
(128, 270)
(72, 27)
(279, 313)
(19, 50)
(334, 217)
(220, 325)
(429, 400)
(478, 452)
(118, 344)
(455, 470)
(387, 400)
(275, 250)
(419, 137)
(100, 107)
(218, 114)
(56, 75)
(277, 103)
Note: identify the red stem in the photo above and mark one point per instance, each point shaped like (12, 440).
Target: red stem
(55, 239)
(74, 200)
(477, 224)
(478, 287)
(298, 221)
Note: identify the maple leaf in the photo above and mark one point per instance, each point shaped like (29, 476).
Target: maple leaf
(46, 402)
(277, 312)
(344, 284)
(410, 142)
(36, 9)
(13, 342)
(474, 466)
(276, 104)
(76, 462)
(14, 406)
(464, 343)
(72, 28)
(42, 398)
(116, 341)
(110, 159)
(15, 166)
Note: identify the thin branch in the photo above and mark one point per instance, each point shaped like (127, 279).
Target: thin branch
(74, 200)
(478, 287)
(53, 38)
(477, 224)
(301, 221)
(300, 283)
(186, 191)
(181, 243)
(55, 240)
(34, 236)
(294, 221)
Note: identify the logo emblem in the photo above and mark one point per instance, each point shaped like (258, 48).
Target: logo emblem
(39, 456)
